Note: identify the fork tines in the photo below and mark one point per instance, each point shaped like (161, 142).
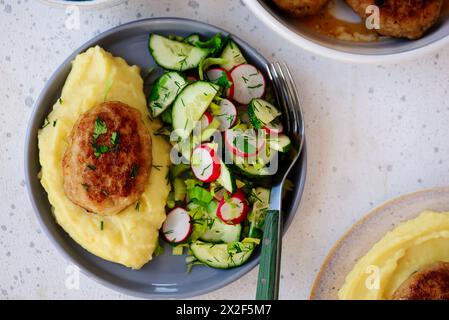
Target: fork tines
(287, 96)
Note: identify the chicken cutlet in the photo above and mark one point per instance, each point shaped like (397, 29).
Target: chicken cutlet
(300, 8)
(108, 160)
(429, 283)
(401, 18)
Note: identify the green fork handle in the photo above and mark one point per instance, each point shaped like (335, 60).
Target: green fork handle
(270, 266)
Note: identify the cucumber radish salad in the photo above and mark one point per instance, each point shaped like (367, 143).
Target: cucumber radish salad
(227, 135)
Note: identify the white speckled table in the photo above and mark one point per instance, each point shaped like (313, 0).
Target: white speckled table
(374, 132)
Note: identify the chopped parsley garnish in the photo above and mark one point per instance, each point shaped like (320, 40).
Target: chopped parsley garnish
(230, 119)
(102, 225)
(99, 149)
(46, 123)
(54, 123)
(223, 81)
(157, 167)
(91, 167)
(210, 223)
(137, 205)
(60, 101)
(167, 178)
(178, 85)
(183, 60)
(85, 186)
(204, 170)
(159, 249)
(100, 128)
(134, 171)
(255, 86)
(115, 138)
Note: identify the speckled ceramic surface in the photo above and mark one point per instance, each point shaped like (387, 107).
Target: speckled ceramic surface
(374, 132)
(365, 233)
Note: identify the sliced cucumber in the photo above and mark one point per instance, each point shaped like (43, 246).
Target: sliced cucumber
(164, 91)
(261, 176)
(281, 143)
(261, 112)
(226, 179)
(218, 232)
(177, 170)
(210, 130)
(222, 256)
(179, 189)
(190, 105)
(175, 55)
(252, 171)
(192, 39)
(233, 56)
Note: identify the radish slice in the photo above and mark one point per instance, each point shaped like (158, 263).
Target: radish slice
(274, 127)
(205, 164)
(177, 226)
(204, 122)
(191, 79)
(249, 83)
(220, 76)
(234, 209)
(243, 144)
(226, 114)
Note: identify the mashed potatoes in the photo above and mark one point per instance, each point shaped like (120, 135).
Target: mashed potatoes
(130, 237)
(403, 251)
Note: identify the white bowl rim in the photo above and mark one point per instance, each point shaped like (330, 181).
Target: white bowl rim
(90, 3)
(293, 37)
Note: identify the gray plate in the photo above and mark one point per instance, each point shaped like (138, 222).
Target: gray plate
(165, 276)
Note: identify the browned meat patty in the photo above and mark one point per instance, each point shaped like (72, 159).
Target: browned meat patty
(402, 18)
(301, 8)
(429, 283)
(108, 160)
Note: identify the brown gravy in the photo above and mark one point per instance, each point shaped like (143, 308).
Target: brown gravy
(326, 23)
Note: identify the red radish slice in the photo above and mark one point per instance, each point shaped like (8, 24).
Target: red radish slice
(274, 127)
(249, 83)
(205, 164)
(215, 74)
(245, 144)
(234, 209)
(226, 114)
(204, 122)
(192, 78)
(177, 226)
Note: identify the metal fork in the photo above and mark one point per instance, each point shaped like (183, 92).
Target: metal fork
(270, 260)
